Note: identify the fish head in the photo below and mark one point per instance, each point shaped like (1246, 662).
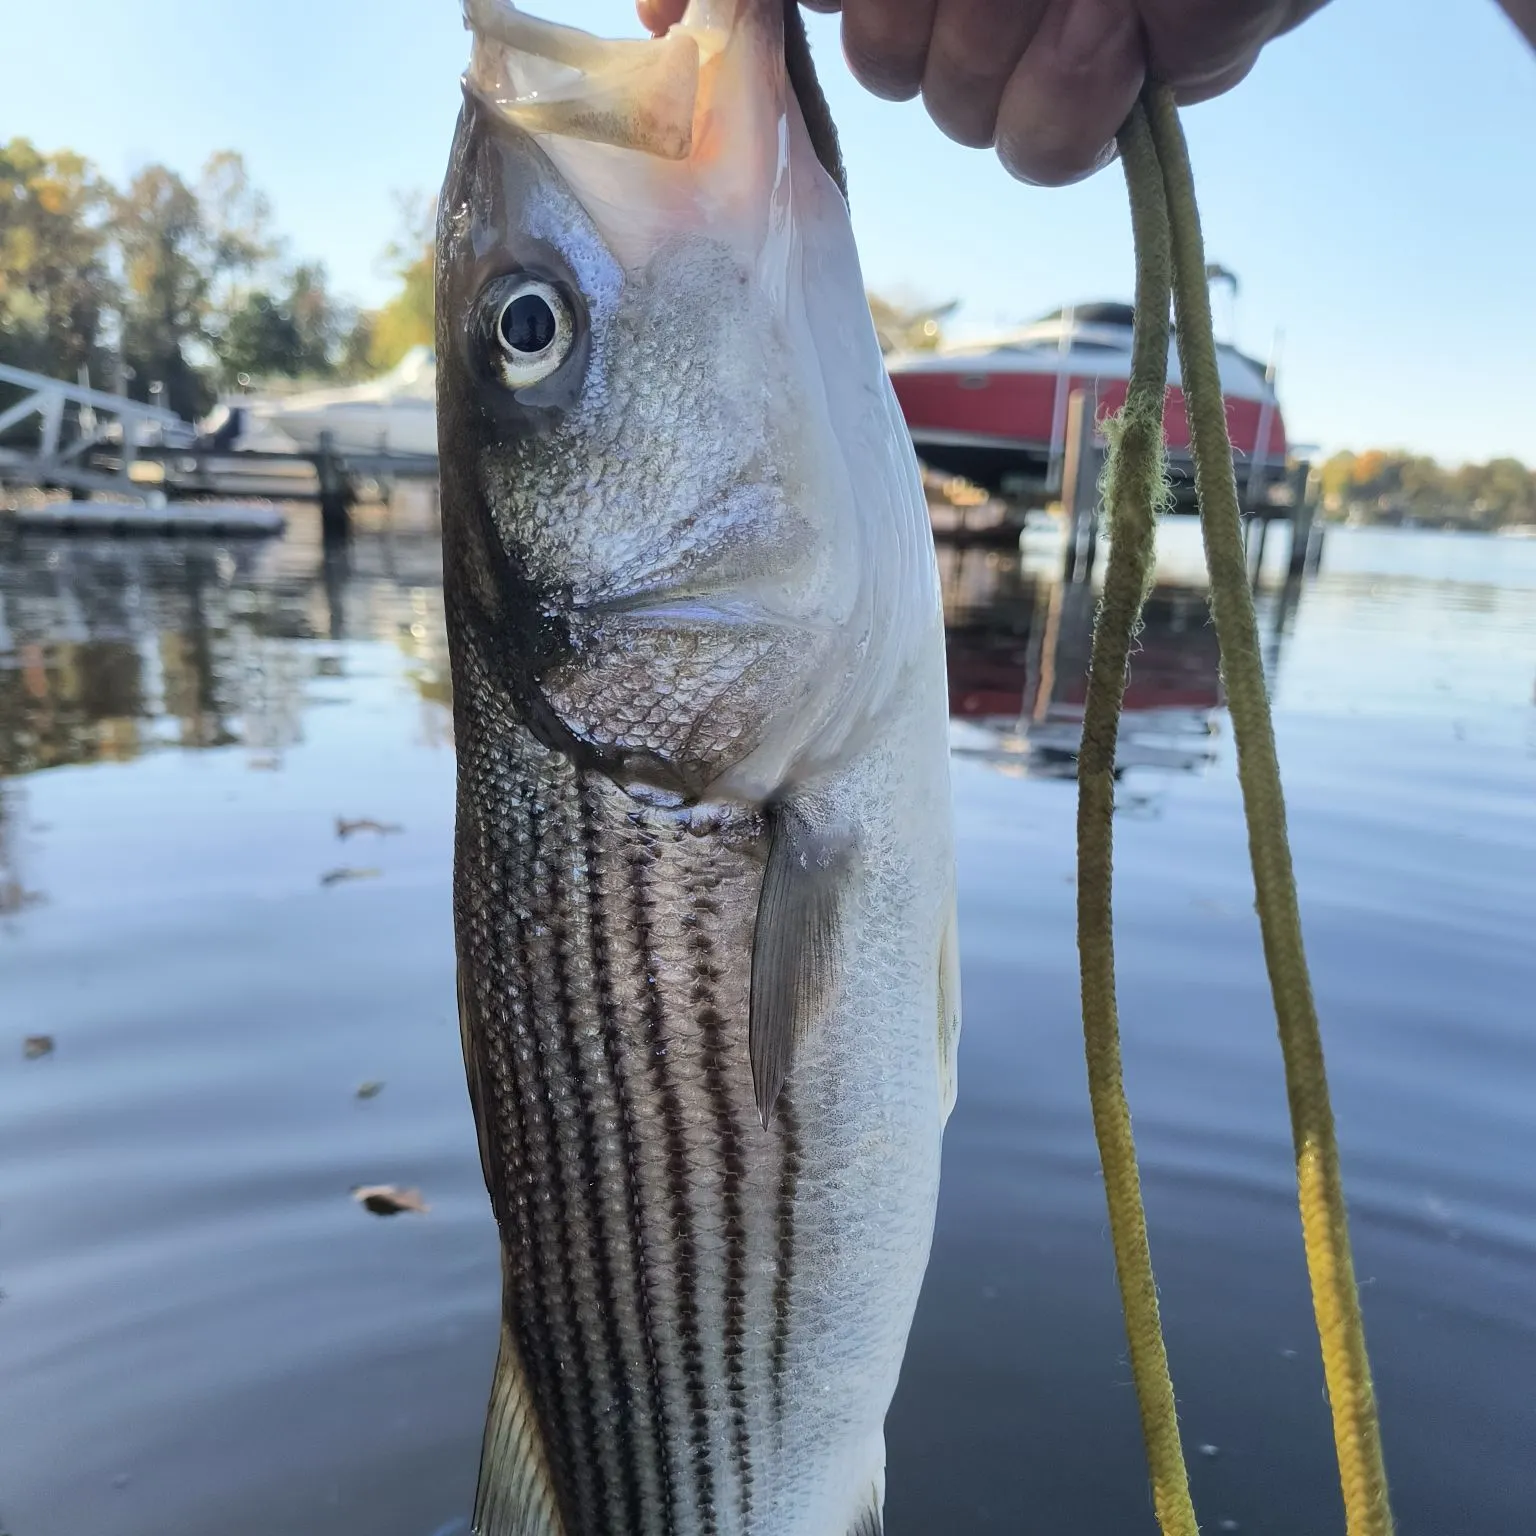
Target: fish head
(683, 531)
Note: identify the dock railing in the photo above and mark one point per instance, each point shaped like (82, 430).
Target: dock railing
(75, 422)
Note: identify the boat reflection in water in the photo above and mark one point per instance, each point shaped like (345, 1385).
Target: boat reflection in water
(1019, 646)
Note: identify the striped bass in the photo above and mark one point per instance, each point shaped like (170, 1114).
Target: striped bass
(704, 878)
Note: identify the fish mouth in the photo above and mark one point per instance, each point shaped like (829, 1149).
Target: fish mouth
(650, 95)
(659, 139)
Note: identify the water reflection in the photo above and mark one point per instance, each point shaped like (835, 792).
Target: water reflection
(1019, 644)
(201, 1330)
(111, 649)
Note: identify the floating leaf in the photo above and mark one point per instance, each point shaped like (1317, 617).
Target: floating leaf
(37, 1045)
(336, 876)
(389, 1199)
(345, 828)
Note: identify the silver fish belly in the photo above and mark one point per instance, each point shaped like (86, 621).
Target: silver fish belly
(703, 888)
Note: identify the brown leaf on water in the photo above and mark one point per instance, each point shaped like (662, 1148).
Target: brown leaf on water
(37, 1045)
(369, 1090)
(389, 1199)
(337, 876)
(345, 828)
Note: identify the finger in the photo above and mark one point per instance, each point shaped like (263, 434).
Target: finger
(1071, 91)
(1193, 43)
(886, 42)
(1215, 85)
(973, 49)
(657, 15)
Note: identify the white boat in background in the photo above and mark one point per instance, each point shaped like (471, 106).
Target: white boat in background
(393, 414)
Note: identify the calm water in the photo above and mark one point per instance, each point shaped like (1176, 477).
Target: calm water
(202, 1332)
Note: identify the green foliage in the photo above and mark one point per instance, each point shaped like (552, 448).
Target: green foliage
(297, 333)
(1395, 487)
(56, 290)
(163, 245)
(902, 325)
(407, 320)
(162, 283)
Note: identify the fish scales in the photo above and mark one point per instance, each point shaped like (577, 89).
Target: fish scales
(648, 1250)
(703, 887)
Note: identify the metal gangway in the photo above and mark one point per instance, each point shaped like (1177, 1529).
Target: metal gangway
(78, 427)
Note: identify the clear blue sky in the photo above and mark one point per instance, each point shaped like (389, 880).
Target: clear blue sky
(1373, 183)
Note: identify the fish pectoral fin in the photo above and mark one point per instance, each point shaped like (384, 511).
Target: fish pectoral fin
(515, 1496)
(870, 1521)
(949, 1009)
(795, 945)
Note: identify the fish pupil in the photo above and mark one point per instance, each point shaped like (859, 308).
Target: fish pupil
(527, 324)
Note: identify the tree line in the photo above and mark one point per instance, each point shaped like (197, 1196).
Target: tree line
(1394, 487)
(174, 290)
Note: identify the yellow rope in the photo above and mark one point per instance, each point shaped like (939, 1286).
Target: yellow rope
(1325, 1227)
(1166, 223)
(1132, 482)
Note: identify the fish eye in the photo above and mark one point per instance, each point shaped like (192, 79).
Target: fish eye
(531, 327)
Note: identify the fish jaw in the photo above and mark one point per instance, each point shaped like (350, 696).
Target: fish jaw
(689, 130)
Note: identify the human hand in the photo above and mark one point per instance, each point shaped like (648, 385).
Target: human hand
(1048, 82)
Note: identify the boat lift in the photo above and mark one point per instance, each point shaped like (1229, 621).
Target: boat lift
(89, 441)
(77, 425)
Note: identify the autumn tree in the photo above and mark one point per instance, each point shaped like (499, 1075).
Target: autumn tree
(407, 320)
(1390, 485)
(167, 279)
(56, 289)
(904, 326)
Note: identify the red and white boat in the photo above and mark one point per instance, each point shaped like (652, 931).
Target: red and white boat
(995, 411)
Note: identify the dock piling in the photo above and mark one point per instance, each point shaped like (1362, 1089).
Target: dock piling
(335, 492)
(1081, 470)
(1303, 515)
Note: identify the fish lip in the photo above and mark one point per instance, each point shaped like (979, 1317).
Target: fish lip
(551, 78)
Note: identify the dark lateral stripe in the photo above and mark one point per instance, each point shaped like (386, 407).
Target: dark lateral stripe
(677, 1185)
(784, 1231)
(533, 1307)
(503, 1110)
(562, 902)
(609, 1029)
(728, 1131)
(585, 1477)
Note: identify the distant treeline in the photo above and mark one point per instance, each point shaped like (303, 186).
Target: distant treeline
(1382, 486)
(184, 286)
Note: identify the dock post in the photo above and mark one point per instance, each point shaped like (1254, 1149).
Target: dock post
(1303, 513)
(1315, 548)
(1080, 484)
(335, 493)
(1260, 525)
